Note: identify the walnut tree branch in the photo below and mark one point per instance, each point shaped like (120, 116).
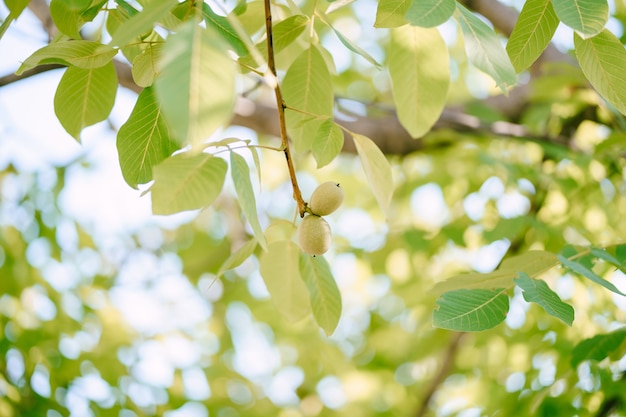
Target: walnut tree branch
(280, 105)
(447, 362)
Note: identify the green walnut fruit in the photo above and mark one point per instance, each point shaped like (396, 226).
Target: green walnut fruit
(326, 198)
(314, 235)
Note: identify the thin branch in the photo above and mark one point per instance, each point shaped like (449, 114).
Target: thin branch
(12, 78)
(280, 105)
(385, 130)
(446, 366)
(41, 10)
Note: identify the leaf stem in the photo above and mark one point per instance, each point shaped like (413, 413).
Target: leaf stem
(280, 104)
(232, 148)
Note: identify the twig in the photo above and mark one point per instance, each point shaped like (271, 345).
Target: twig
(280, 105)
(444, 371)
(11, 78)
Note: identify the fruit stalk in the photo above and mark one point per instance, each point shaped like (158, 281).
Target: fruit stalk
(280, 105)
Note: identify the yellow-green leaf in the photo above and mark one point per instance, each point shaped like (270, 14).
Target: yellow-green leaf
(144, 68)
(429, 13)
(602, 60)
(351, 45)
(79, 53)
(307, 87)
(141, 22)
(187, 182)
(196, 83)
(420, 74)
(586, 17)
(240, 173)
(323, 290)
(16, 7)
(377, 170)
(532, 263)
(390, 13)
(144, 140)
(85, 97)
(484, 49)
(327, 143)
(238, 257)
(532, 33)
(67, 16)
(285, 32)
(281, 274)
(224, 28)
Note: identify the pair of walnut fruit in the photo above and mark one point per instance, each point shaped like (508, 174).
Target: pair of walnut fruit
(314, 235)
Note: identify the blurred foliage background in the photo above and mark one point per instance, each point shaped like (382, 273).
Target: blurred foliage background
(97, 319)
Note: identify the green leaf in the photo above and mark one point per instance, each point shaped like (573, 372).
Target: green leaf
(126, 8)
(620, 252)
(589, 274)
(471, 310)
(484, 49)
(284, 32)
(240, 173)
(144, 140)
(327, 143)
(606, 256)
(67, 16)
(70, 15)
(115, 18)
(187, 182)
(196, 85)
(224, 28)
(281, 273)
(532, 33)
(537, 291)
(602, 61)
(598, 347)
(238, 257)
(377, 170)
(532, 263)
(144, 67)
(338, 4)
(390, 13)
(308, 87)
(280, 230)
(287, 31)
(420, 74)
(430, 13)
(141, 22)
(257, 162)
(79, 53)
(85, 97)
(351, 45)
(586, 17)
(323, 290)
(16, 7)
